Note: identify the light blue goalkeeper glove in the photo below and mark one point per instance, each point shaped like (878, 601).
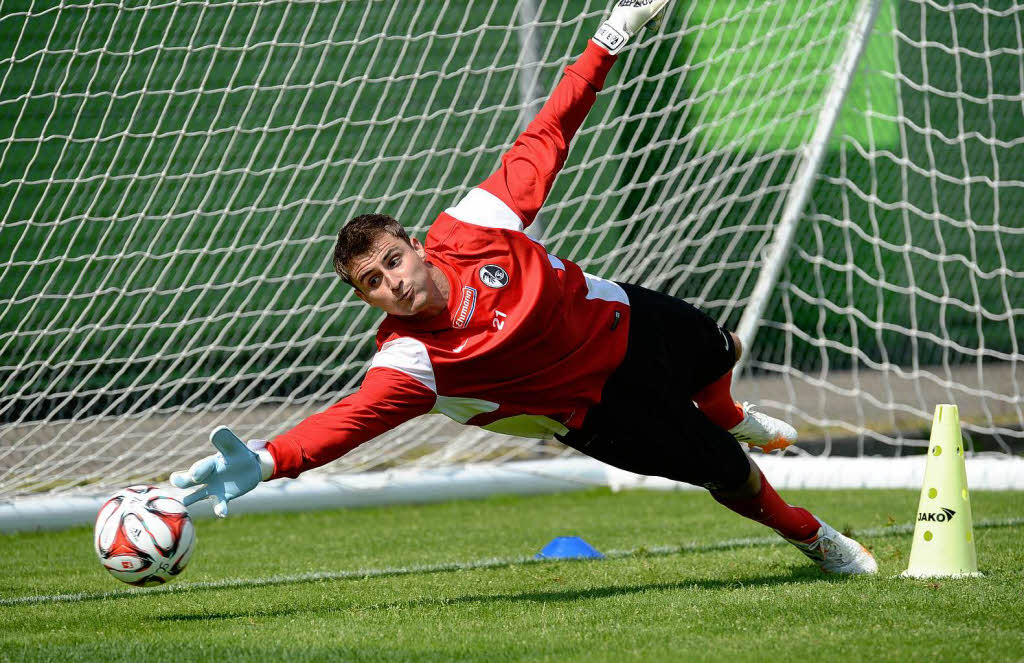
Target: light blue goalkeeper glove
(233, 472)
(626, 19)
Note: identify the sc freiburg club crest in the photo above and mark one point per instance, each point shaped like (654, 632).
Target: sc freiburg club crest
(493, 276)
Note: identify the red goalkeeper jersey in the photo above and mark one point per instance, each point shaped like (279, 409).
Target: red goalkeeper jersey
(527, 341)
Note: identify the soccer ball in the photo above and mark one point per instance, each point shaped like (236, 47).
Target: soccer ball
(144, 536)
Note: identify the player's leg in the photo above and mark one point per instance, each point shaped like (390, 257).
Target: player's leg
(647, 422)
(750, 427)
(699, 358)
(682, 444)
(715, 399)
(831, 550)
(735, 481)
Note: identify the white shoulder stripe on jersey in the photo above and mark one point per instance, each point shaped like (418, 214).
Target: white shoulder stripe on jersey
(555, 261)
(599, 288)
(408, 356)
(482, 208)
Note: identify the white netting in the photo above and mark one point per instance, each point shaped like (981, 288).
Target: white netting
(172, 176)
(905, 287)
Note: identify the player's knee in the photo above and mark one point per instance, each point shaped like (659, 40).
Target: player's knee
(746, 488)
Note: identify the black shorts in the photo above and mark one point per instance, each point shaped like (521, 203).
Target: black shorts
(646, 421)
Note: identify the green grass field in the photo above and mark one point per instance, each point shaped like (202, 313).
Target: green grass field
(685, 580)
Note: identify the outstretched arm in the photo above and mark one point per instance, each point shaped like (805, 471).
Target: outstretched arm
(529, 168)
(387, 398)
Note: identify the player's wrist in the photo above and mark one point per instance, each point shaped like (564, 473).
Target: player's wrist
(265, 458)
(611, 37)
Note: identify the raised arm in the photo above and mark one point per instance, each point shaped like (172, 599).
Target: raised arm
(529, 168)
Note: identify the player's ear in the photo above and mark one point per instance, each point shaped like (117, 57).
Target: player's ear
(417, 247)
(360, 295)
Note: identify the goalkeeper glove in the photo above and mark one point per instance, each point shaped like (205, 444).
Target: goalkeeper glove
(626, 19)
(233, 472)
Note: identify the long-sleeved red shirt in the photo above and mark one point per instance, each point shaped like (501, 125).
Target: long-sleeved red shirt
(527, 340)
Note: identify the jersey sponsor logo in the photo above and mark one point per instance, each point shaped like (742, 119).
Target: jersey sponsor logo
(493, 276)
(466, 308)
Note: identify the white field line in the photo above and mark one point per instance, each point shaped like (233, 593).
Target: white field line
(490, 563)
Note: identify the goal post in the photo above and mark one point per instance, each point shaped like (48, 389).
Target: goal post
(803, 181)
(173, 175)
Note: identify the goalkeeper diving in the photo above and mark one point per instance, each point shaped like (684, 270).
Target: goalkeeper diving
(485, 326)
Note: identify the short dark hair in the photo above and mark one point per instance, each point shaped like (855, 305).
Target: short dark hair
(358, 237)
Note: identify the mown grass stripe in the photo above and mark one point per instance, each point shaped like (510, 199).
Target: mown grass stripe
(495, 562)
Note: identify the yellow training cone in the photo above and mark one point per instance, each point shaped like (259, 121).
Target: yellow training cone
(943, 535)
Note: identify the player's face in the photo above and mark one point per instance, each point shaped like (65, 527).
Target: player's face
(395, 277)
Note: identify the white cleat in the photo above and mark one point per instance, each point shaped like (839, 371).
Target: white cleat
(760, 430)
(836, 553)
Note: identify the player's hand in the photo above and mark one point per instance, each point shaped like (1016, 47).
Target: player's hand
(627, 17)
(223, 476)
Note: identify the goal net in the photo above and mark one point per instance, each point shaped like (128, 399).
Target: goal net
(173, 174)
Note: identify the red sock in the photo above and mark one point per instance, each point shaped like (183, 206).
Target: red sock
(715, 401)
(767, 508)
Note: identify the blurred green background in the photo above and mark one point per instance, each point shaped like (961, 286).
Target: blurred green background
(172, 177)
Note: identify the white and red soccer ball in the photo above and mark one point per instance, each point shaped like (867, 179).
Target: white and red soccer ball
(144, 536)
